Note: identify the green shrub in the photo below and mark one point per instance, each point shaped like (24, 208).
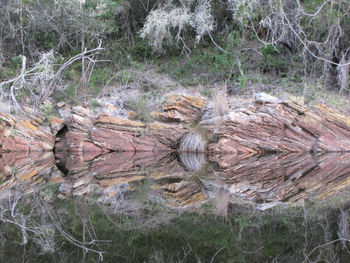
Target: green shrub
(94, 104)
(272, 60)
(47, 111)
(16, 62)
(141, 108)
(99, 78)
(206, 92)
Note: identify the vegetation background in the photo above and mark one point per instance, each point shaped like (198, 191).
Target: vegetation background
(134, 51)
(80, 50)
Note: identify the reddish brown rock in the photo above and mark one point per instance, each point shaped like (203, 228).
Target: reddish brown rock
(15, 144)
(24, 135)
(107, 174)
(18, 168)
(91, 151)
(112, 139)
(113, 163)
(282, 127)
(285, 178)
(105, 133)
(75, 141)
(148, 143)
(110, 122)
(77, 126)
(13, 159)
(108, 133)
(169, 134)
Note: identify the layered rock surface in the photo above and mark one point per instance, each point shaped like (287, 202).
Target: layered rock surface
(186, 180)
(17, 169)
(117, 173)
(268, 151)
(90, 136)
(272, 126)
(26, 135)
(267, 125)
(112, 178)
(286, 178)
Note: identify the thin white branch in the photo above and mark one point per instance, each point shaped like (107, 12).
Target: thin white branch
(307, 47)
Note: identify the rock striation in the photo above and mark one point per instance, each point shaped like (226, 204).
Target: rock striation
(117, 178)
(267, 151)
(271, 126)
(25, 135)
(287, 178)
(121, 173)
(267, 125)
(89, 136)
(17, 169)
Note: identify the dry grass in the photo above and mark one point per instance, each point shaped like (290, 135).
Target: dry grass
(192, 143)
(192, 161)
(221, 107)
(221, 197)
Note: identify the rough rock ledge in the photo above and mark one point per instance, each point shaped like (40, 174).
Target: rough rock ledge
(266, 125)
(266, 151)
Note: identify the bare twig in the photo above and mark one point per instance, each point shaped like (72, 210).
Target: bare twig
(217, 252)
(324, 245)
